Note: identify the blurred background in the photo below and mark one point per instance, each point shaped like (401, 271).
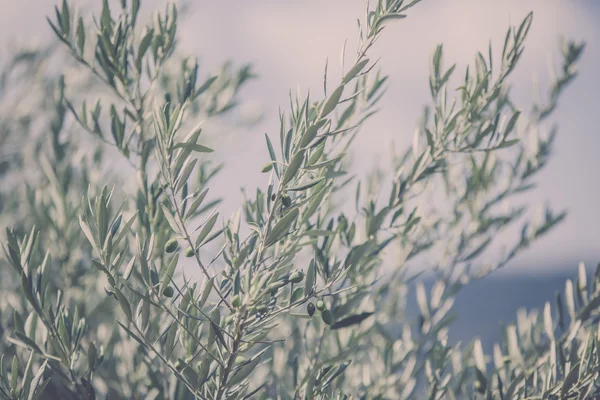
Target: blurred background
(288, 42)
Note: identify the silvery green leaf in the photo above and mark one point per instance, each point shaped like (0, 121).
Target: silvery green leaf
(27, 287)
(332, 101)
(88, 233)
(131, 334)
(287, 145)
(196, 203)
(18, 322)
(569, 298)
(215, 330)
(40, 389)
(24, 341)
(189, 372)
(206, 291)
(36, 387)
(207, 84)
(570, 380)
(293, 167)
(244, 371)
(478, 250)
(355, 70)
(194, 147)
(206, 229)
(548, 324)
(135, 8)
(582, 281)
(105, 19)
(168, 274)
(311, 278)
(586, 311)
(65, 17)
(14, 375)
(129, 269)
(175, 119)
(124, 303)
(351, 320)
(272, 154)
(92, 356)
(170, 341)
(3, 375)
(507, 143)
(296, 295)
(391, 16)
(324, 163)
(170, 219)
(183, 178)
(80, 36)
(513, 344)
(281, 228)
(311, 132)
(204, 370)
(422, 300)
(478, 356)
(316, 154)
(143, 47)
(306, 185)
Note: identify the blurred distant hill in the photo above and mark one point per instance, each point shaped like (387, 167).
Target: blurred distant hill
(484, 307)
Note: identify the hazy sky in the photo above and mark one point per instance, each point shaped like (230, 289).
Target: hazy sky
(288, 42)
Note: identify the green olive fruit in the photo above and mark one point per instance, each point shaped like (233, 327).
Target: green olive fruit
(189, 252)
(267, 167)
(274, 286)
(327, 316)
(171, 246)
(320, 305)
(297, 277)
(168, 291)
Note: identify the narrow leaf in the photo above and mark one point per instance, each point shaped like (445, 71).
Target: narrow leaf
(351, 320)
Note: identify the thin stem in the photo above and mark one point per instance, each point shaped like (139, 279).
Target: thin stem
(179, 376)
(239, 327)
(193, 335)
(191, 243)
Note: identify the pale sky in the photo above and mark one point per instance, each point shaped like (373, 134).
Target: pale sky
(288, 42)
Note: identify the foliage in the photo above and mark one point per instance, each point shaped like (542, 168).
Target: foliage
(290, 298)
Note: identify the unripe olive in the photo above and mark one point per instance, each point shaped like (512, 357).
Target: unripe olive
(327, 316)
(275, 286)
(310, 309)
(189, 252)
(320, 305)
(240, 359)
(168, 291)
(267, 167)
(171, 246)
(236, 301)
(480, 387)
(285, 200)
(297, 277)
